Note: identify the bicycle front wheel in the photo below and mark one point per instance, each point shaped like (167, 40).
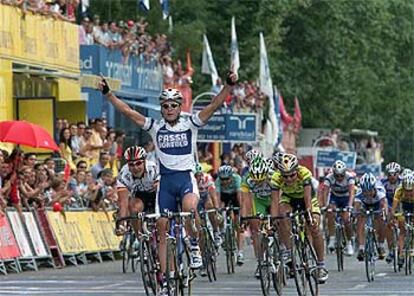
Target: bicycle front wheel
(298, 270)
(172, 269)
(148, 268)
(230, 247)
(340, 248)
(264, 265)
(370, 257)
(278, 274)
(311, 268)
(125, 245)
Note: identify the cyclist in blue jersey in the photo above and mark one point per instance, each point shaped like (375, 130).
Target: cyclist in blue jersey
(391, 182)
(228, 190)
(175, 139)
(371, 196)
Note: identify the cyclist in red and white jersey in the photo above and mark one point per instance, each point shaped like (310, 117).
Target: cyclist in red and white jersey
(137, 186)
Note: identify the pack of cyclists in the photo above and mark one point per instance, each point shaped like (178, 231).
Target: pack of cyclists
(274, 186)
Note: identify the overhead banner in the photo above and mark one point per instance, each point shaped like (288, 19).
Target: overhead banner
(234, 127)
(137, 76)
(84, 231)
(20, 234)
(326, 158)
(38, 245)
(38, 39)
(8, 245)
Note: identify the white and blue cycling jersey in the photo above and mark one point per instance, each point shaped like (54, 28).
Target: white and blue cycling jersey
(371, 201)
(175, 147)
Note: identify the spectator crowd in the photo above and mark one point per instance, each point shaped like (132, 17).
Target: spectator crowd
(81, 175)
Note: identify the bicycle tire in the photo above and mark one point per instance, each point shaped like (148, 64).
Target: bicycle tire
(298, 269)
(339, 248)
(229, 250)
(207, 255)
(125, 252)
(264, 265)
(186, 274)
(278, 275)
(395, 249)
(134, 258)
(309, 258)
(212, 255)
(148, 268)
(171, 274)
(369, 257)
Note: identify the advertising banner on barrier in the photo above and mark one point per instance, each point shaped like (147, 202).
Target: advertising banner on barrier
(34, 234)
(234, 127)
(84, 231)
(67, 232)
(20, 234)
(8, 245)
(38, 39)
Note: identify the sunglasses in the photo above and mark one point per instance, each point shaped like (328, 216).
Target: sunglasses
(135, 163)
(167, 106)
(339, 175)
(392, 174)
(290, 176)
(224, 179)
(83, 167)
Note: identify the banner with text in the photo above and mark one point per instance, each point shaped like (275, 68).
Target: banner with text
(20, 234)
(326, 158)
(234, 127)
(84, 231)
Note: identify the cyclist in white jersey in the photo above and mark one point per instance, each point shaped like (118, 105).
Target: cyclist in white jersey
(341, 186)
(137, 184)
(175, 139)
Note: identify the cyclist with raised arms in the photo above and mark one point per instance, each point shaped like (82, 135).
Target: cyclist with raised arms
(256, 194)
(341, 186)
(292, 191)
(371, 196)
(228, 193)
(391, 182)
(137, 184)
(175, 139)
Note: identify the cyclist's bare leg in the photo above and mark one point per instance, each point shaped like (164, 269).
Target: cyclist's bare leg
(212, 216)
(401, 238)
(380, 228)
(123, 201)
(346, 217)
(190, 202)
(331, 220)
(254, 228)
(360, 225)
(136, 206)
(317, 237)
(284, 225)
(389, 233)
(162, 228)
(239, 232)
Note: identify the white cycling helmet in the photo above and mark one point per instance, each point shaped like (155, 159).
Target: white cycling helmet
(225, 171)
(408, 182)
(393, 168)
(339, 167)
(287, 163)
(171, 94)
(405, 172)
(253, 154)
(368, 182)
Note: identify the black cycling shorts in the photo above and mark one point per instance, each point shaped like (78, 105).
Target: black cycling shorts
(148, 199)
(230, 199)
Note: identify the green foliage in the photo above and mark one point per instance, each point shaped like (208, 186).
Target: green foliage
(351, 63)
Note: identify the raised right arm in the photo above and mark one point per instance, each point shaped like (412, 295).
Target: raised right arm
(120, 105)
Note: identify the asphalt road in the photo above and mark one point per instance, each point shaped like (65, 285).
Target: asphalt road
(107, 279)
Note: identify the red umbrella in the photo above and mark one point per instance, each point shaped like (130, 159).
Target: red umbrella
(26, 133)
